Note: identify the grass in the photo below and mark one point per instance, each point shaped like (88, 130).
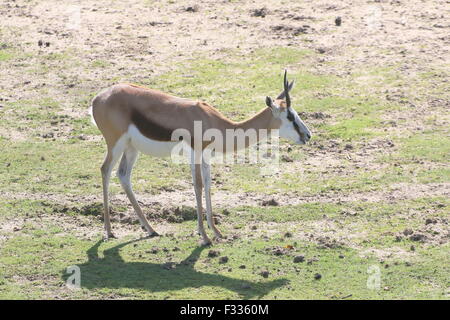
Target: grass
(179, 268)
(50, 203)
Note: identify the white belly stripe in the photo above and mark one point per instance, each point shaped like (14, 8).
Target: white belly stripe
(149, 146)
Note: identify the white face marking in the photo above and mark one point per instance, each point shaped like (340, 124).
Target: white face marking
(288, 130)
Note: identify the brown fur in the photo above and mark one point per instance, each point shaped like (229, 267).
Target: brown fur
(157, 114)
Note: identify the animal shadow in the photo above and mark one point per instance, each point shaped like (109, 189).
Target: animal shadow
(113, 272)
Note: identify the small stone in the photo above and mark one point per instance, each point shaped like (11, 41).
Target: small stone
(286, 158)
(341, 256)
(317, 276)
(259, 12)
(242, 266)
(168, 265)
(271, 202)
(246, 286)
(154, 250)
(408, 232)
(417, 237)
(338, 21)
(223, 259)
(298, 259)
(213, 253)
(264, 273)
(194, 8)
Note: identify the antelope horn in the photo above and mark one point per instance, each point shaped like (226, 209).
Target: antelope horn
(286, 89)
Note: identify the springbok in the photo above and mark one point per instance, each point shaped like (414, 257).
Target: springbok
(133, 118)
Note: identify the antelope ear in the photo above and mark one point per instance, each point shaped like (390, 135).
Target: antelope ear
(275, 109)
(269, 102)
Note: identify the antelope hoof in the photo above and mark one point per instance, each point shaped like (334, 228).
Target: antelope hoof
(205, 243)
(153, 234)
(108, 236)
(217, 235)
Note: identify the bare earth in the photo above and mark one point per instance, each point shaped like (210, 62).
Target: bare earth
(139, 39)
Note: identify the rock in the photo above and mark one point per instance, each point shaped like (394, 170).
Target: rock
(169, 265)
(194, 8)
(278, 252)
(408, 232)
(153, 250)
(341, 256)
(213, 253)
(430, 221)
(317, 276)
(417, 237)
(259, 12)
(286, 158)
(298, 259)
(338, 21)
(264, 274)
(223, 259)
(242, 266)
(271, 202)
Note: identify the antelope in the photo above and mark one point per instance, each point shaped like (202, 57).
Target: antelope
(135, 119)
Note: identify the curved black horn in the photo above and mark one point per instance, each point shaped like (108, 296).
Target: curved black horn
(286, 89)
(282, 94)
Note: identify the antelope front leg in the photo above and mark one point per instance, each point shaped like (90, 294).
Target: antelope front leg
(206, 174)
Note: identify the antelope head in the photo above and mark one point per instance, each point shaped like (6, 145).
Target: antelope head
(292, 127)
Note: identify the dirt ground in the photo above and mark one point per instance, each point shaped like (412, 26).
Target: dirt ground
(152, 38)
(98, 43)
(146, 38)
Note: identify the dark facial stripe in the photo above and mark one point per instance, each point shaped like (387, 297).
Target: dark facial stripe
(291, 118)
